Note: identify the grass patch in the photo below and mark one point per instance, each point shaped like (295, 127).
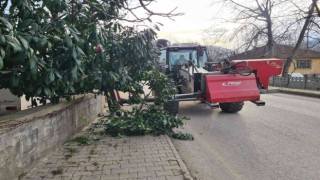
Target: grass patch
(22, 175)
(95, 164)
(72, 150)
(82, 140)
(67, 156)
(57, 171)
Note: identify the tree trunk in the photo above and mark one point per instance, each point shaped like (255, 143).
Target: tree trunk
(270, 37)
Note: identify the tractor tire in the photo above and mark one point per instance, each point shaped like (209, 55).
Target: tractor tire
(231, 107)
(172, 107)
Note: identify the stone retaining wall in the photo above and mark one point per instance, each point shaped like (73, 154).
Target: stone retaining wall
(27, 136)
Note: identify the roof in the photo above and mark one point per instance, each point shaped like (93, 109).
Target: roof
(280, 51)
(184, 47)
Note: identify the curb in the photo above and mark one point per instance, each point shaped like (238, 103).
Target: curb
(183, 167)
(300, 93)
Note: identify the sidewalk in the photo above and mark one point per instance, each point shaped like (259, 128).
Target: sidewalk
(140, 157)
(302, 92)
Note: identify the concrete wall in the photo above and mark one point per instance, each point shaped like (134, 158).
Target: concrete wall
(27, 136)
(295, 82)
(8, 102)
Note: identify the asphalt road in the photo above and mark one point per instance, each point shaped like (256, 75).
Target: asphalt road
(278, 141)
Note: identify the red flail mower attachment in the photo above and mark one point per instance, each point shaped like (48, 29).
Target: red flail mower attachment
(243, 81)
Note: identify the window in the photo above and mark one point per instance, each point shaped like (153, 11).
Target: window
(182, 56)
(162, 58)
(203, 59)
(304, 64)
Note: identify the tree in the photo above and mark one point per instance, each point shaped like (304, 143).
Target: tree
(308, 20)
(54, 49)
(261, 22)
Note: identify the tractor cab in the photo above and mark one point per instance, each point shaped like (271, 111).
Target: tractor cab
(182, 56)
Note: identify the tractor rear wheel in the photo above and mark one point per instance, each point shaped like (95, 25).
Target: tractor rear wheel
(231, 107)
(172, 107)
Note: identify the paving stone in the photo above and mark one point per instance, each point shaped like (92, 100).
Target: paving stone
(171, 167)
(154, 168)
(177, 172)
(112, 166)
(161, 163)
(93, 177)
(175, 177)
(157, 178)
(147, 174)
(110, 176)
(139, 169)
(128, 157)
(128, 175)
(81, 173)
(145, 164)
(128, 165)
(75, 169)
(173, 162)
(153, 159)
(119, 170)
(164, 173)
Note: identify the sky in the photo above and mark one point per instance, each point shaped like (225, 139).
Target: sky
(198, 17)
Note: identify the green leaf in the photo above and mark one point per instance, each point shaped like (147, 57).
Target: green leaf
(15, 80)
(68, 41)
(157, 27)
(35, 40)
(115, 28)
(113, 76)
(80, 51)
(39, 91)
(43, 42)
(33, 65)
(6, 23)
(1, 63)
(2, 39)
(47, 91)
(16, 47)
(24, 43)
(58, 74)
(54, 38)
(2, 53)
(74, 54)
(74, 73)
(51, 76)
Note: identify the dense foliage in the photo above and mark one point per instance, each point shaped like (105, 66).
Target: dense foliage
(54, 49)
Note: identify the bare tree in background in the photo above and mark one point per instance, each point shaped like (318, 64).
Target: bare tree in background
(256, 22)
(310, 22)
(261, 22)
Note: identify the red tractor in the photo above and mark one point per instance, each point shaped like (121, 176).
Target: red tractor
(225, 84)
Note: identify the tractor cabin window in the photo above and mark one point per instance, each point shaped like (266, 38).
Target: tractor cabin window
(304, 64)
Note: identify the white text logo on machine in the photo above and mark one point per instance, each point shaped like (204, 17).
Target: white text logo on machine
(274, 64)
(231, 83)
